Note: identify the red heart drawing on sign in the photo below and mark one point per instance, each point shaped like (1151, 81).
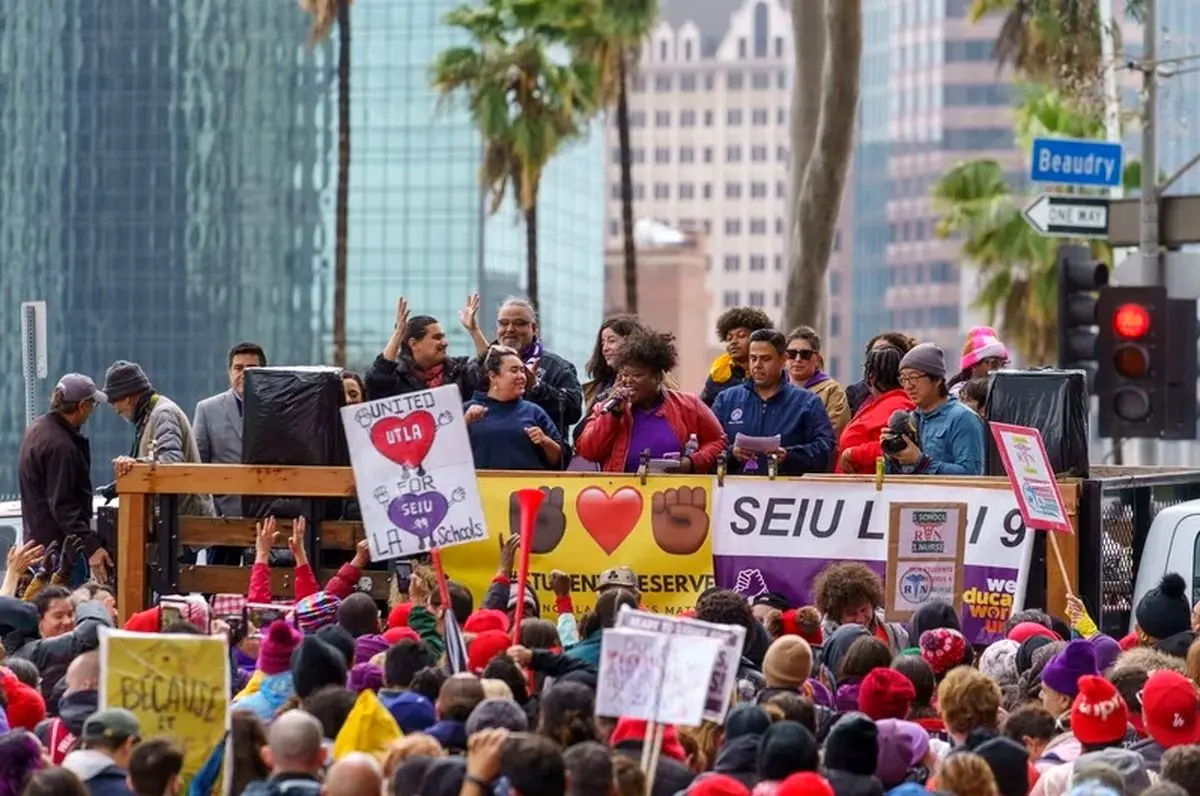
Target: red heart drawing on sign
(405, 440)
(609, 519)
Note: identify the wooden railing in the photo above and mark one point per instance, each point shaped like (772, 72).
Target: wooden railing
(150, 532)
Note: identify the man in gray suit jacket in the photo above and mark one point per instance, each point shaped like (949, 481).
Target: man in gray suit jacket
(218, 430)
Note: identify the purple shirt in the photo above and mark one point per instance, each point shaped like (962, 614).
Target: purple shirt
(650, 430)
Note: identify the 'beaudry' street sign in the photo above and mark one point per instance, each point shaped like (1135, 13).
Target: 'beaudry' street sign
(1068, 216)
(1076, 161)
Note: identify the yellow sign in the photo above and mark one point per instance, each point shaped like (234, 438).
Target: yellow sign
(589, 523)
(177, 686)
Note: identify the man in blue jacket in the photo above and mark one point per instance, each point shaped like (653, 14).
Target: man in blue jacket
(766, 405)
(951, 435)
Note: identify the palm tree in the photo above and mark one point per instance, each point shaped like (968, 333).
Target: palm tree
(527, 102)
(614, 46)
(1018, 279)
(324, 14)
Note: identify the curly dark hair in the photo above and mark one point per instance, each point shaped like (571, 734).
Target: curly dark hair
(655, 350)
(622, 326)
(881, 370)
(749, 318)
(842, 587)
(899, 340)
(725, 607)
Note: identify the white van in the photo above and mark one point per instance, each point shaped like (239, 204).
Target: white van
(11, 526)
(1172, 545)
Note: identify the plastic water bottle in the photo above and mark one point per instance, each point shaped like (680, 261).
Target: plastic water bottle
(692, 446)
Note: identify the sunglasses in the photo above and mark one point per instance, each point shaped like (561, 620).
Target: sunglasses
(801, 353)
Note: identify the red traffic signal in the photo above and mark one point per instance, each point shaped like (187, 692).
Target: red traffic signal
(1132, 321)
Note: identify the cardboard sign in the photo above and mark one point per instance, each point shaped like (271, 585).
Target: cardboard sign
(1033, 482)
(655, 676)
(927, 544)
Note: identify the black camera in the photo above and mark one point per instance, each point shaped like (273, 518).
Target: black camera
(901, 428)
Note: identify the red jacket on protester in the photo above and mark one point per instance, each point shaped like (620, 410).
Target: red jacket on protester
(861, 435)
(340, 585)
(605, 438)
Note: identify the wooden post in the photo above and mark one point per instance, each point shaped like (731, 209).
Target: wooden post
(1068, 546)
(131, 553)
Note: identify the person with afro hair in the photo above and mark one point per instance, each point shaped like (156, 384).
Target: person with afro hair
(642, 413)
(734, 328)
(849, 592)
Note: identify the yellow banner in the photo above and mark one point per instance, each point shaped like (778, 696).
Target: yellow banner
(177, 686)
(589, 523)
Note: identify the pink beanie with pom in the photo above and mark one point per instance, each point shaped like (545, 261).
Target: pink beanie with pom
(982, 343)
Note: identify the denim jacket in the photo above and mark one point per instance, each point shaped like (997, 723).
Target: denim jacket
(952, 439)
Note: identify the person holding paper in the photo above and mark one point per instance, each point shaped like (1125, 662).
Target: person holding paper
(951, 435)
(643, 414)
(767, 416)
(508, 432)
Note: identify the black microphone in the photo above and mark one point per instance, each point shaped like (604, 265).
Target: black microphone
(615, 405)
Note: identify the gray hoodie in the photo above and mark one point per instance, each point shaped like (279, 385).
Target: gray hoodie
(99, 773)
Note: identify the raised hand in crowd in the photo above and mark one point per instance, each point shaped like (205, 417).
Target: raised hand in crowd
(483, 760)
(531, 373)
(362, 554)
(49, 560)
(19, 560)
(100, 564)
(521, 656)
(264, 540)
(508, 552)
(72, 549)
(468, 317)
(560, 583)
(391, 351)
(474, 414)
(296, 541)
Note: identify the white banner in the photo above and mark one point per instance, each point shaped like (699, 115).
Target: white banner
(414, 472)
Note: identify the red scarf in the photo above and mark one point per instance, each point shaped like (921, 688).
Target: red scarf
(432, 377)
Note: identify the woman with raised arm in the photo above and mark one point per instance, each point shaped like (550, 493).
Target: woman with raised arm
(508, 432)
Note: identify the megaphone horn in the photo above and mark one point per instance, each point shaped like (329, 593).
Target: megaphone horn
(530, 500)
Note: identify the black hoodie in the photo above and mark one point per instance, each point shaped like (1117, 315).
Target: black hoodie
(739, 759)
(73, 709)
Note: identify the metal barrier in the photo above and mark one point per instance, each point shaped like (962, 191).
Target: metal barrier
(1117, 506)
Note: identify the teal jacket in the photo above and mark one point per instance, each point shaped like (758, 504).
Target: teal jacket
(588, 649)
(952, 440)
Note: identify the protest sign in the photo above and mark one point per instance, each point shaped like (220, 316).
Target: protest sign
(1033, 482)
(723, 678)
(926, 546)
(414, 473)
(779, 535)
(177, 685)
(655, 677)
(589, 523)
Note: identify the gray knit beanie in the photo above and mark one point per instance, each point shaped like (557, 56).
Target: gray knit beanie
(927, 358)
(123, 379)
(496, 713)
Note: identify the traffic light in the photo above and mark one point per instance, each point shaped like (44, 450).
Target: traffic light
(1132, 380)
(1080, 277)
(1181, 369)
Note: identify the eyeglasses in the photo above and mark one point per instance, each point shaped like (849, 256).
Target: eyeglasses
(801, 353)
(905, 381)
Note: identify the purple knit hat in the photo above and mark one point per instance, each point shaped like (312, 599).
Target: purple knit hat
(1107, 650)
(1063, 671)
(368, 646)
(365, 677)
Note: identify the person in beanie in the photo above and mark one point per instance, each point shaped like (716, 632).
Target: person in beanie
(316, 664)
(886, 694)
(904, 753)
(1060, 685)
(163, 432)
(950, 435)
(851, 754)
(982, 353)
(275, 663)
(738, 755)
(786, 748)
(943, 648)
(1170, 715)
(1100, 723)
(316, 611)
(1007, 760)
(788, 663)
(1163, 611)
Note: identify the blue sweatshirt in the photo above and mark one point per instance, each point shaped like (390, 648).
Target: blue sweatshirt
(499, 440)
(794, 413)
(951, 441)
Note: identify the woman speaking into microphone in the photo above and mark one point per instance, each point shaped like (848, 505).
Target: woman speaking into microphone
(640, 414)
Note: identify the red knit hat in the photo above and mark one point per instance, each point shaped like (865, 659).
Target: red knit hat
(1098, 714)
(1025, 630)
(717, 785)
(806, 783)
(886, 694)
(484, 647)
(144, 621)
(793, 628)
(943, 648)
(395, 635)
(26, 708)
(398, 616)
(275, 650)
(486, 619)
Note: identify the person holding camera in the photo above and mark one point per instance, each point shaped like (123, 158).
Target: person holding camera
(942, 436)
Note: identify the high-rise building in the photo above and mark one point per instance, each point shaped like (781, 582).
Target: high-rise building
(419, 225)
(162, 169)
(709, 110)
(931, 97)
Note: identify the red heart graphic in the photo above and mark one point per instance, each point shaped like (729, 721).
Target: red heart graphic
(609, 519)
(405, 440)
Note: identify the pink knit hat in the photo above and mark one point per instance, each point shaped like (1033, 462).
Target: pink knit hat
(982, 343)
(276, 648)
